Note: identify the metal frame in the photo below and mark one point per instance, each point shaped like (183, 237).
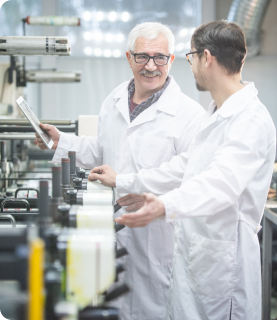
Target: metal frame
(270, 218)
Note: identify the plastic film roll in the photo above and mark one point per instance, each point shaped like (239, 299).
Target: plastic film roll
(97, 199)
(93, 253)
(53, 21)
(98, 187)
(91, 217)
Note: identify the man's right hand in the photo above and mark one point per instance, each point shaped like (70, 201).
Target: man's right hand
(53, 133)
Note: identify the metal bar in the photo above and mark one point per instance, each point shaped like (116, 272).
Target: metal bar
(11, 179)
(267, 265)
(17, 136)
(271, 215)
(31, 129)
(26, 122)
(23, 172)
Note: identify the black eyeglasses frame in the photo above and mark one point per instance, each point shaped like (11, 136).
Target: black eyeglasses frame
(151, 57)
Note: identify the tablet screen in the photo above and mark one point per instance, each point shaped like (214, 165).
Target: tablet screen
(34, 121)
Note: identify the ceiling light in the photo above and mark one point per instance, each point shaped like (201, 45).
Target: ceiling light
(183, 32)
(87, 35)
(88, 51)
(86, 15)
(107, 53)
(99, 15)
(98, 36)
(125, 16)
(119, 37)
(112, 16)
(109, 37)
(98, 52)
(116, 53)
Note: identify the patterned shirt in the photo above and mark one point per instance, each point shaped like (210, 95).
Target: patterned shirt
(147, 103)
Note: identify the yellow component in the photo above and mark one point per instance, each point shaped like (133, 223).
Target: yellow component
(36, 283)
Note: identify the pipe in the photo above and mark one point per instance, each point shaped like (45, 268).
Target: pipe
(249, 15)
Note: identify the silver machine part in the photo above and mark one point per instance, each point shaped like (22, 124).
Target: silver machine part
(34, 46)
(53, 76)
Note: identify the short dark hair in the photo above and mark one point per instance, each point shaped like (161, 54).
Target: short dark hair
(225, 40)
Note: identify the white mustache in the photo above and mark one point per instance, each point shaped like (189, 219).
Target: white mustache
(150, 73)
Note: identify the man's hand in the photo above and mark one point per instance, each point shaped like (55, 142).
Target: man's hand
(133, 201)
(53, 133)
(104, 174)
(152, 209)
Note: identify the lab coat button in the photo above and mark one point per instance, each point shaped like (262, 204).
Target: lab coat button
(172, 216)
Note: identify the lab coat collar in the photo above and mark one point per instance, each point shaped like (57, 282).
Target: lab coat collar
(234, 103)
(121, 102)
(237, 101)
(168, 103)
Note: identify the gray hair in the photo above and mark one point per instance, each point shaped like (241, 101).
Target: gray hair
(150, 31)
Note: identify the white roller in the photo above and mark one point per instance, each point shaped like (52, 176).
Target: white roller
(99, 217)
(90, 263)
(53, 21)
(97, 199)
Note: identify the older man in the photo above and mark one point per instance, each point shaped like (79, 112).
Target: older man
(142, 123)
(219, 206)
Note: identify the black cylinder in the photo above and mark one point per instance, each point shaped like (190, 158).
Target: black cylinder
(43, 200)
(72, 157)
(3, 151)
(56, 182)
(65, 171)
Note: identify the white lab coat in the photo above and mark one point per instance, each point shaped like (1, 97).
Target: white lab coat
(160, 132)
(218, 208)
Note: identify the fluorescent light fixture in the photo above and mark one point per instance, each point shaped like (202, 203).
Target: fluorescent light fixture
(98, 36)
(86, 15)
(99, 16)
(87, 35)
(180, 47)
(119, 37)
(88, 51)
(125, 16)
(116, 53)
(107, 53)
(98, 52)
(35, 46)
(53, 76)
(109, 37)
(183, 32)
(112, 16)
(53, 21)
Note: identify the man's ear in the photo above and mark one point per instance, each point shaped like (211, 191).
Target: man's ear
(208, 58)
(171, 59)
(129, 57)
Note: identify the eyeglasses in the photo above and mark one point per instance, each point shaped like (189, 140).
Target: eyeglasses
(190, 56)
(142, 58)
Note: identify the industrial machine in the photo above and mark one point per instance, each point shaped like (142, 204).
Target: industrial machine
(67, 253)
(58, 255)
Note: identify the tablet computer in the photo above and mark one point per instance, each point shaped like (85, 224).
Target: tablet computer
(34, 122)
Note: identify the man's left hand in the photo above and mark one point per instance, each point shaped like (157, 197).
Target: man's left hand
(104, 174)
(153, 208)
